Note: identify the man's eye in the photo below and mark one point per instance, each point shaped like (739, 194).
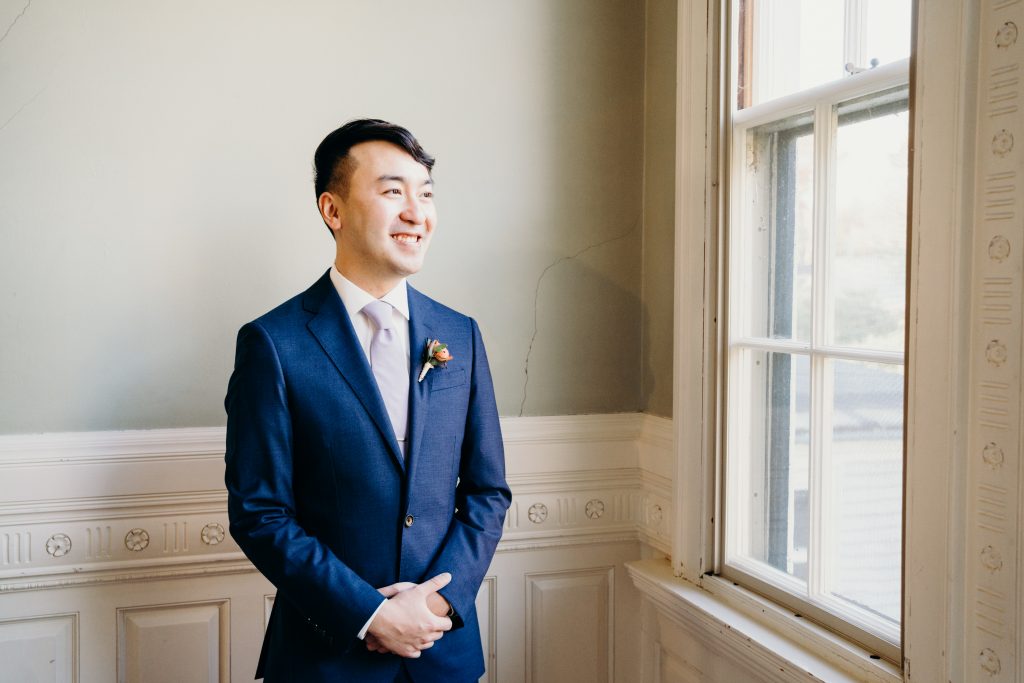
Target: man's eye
(428, 195)
(393, 190)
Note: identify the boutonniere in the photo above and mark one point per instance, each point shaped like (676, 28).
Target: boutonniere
(436, 354)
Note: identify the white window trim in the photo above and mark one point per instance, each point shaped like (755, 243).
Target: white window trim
(757, 632)
(941, 84)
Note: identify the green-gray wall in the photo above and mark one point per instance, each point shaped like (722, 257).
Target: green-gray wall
(659, 206)
(155, 191)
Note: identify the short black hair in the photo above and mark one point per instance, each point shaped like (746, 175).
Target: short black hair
(330, 172)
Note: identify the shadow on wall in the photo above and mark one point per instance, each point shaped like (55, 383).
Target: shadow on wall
(584, 352)
(576, 356)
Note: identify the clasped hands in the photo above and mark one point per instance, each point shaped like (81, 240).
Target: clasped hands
(411, 619)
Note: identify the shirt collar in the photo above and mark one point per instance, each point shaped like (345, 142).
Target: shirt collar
(354, 298)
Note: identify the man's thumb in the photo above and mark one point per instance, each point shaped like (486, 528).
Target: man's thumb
(435, 584)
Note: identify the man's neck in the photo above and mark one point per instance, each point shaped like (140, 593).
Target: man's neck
(373, 286)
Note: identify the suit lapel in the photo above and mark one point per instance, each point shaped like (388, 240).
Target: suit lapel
(420, 330)
(333, 329)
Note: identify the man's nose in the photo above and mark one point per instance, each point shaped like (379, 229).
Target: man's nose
(413, 212)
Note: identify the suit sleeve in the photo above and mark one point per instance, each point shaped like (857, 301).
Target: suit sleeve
(261, 505)
(482, 496)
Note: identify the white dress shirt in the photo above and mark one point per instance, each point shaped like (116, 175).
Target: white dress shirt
(354, 299)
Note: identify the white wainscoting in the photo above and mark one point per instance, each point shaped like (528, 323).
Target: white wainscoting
(115, 563)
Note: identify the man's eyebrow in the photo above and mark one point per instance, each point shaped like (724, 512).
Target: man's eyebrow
(401, 179)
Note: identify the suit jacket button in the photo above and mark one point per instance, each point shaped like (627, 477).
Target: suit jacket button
(409, 519)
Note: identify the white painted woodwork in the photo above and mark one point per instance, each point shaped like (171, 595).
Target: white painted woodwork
(39, 649)
(994, 507)
(694, 376)
(682, 659)
(674, 670)
(268, 606)
(719, 630)
(938, 332)
(173, 643)
(569, 618)
(487, 615)
(123, 537)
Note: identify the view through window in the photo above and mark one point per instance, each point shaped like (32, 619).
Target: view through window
(816, 235)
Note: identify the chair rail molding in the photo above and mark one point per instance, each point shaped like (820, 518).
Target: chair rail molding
(108, 507)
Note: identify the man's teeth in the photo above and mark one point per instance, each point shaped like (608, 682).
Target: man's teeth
(406, 238)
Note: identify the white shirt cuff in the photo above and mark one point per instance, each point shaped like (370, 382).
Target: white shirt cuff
(366, 626)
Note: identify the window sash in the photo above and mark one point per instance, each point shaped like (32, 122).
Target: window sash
(820, 105)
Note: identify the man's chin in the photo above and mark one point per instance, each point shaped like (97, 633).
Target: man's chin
(408, 267)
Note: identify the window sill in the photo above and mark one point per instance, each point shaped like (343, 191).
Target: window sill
(756, 632)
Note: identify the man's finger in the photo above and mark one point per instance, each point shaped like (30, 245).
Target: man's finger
(440, 625)
(435, 584)
(373, 644)
(395, 588)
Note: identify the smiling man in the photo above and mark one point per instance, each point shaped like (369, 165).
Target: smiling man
(365, 469)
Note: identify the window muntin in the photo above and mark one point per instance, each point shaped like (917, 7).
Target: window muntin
(816, 234)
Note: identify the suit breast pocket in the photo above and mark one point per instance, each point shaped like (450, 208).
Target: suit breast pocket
(446, 378)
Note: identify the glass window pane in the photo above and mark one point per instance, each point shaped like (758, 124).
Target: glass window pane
(786, 46)
(868, 274)
(778, 224)
(773, 462)
(887, 30)
(791, 46)
(866, 485)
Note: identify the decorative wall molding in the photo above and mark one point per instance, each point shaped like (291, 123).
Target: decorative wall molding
(201, 443)
(62, 448)
(160, 509)
(992, 590)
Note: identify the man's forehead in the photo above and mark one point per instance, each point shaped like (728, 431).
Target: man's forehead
(383, 160)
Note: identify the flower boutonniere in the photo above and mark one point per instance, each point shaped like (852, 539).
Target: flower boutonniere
(434, 355)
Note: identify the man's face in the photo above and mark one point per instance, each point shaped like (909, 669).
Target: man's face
(385, 221)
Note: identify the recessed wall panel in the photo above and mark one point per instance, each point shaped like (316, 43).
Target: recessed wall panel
(674, 670)
(173, 643)
(569, 626)
(39, 649)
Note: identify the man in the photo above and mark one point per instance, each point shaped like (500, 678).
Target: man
(365, 469)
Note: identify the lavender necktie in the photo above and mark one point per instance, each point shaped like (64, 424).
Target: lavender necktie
(388, 362)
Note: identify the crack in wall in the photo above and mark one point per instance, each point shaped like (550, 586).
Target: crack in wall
(20, 15)
(536, 298)
(22, 107)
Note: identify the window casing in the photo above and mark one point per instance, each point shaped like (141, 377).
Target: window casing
(813, 349)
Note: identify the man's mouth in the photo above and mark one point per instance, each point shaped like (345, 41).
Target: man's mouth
(406, 238)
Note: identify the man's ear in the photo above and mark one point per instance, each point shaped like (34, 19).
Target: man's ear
(330, 211)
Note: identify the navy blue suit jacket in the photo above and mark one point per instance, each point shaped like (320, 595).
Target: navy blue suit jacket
(323, 503)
